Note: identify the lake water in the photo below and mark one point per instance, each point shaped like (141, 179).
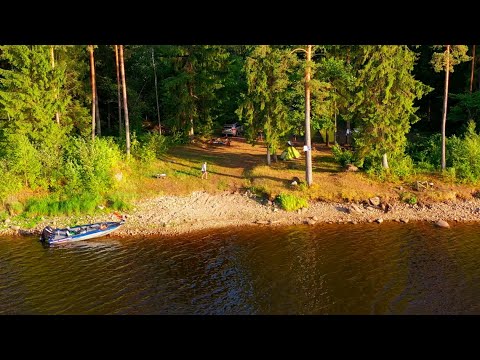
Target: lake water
(391, 268)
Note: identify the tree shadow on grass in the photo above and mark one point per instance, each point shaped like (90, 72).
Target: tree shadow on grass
(217, 156)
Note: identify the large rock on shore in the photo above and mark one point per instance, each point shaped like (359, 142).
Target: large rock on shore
(442, 224)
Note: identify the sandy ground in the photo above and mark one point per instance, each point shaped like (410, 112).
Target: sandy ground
(171, 215)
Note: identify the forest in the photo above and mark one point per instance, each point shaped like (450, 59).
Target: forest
(76, 120)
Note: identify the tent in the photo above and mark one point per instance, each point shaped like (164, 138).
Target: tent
(290, 153)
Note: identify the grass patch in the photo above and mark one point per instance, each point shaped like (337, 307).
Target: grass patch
(53, 206)
(408, 197)
(119, 202)
(290, 202)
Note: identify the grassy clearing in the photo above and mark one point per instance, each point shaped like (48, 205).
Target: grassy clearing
(233, 168)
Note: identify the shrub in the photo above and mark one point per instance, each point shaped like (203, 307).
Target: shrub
(408, 198)
(343, 157)
(9, 183)
(463, 156)
(89, 165)
(291, 202)
(23, 159)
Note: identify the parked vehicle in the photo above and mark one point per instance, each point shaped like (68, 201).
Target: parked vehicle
(234, 129)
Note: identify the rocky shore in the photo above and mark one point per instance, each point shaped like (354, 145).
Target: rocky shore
(171, 215)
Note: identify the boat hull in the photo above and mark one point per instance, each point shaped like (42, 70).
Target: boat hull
(81, 232)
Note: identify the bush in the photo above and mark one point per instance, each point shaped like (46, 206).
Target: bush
(90, 165)
(9, 183)
(343, 157)
(23, 160)
(408, 198)
(464, 155)
(291, 202)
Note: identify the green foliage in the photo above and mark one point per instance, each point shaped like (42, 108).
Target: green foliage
(333, 80)
(91, 164)
(9, 184)
(425, 149)
(31, 90)
(222, 185)
(467, 107)
(264, 106)
(196, 75)
(400, 168)
(408, 198)
(260, 191)
(148, 147)
(456, 55)
(23, 159)
(14, 208)
(384, 103)
(343, 157)
(86, 203)
(464, 155)
(291, 202)
(119, 202)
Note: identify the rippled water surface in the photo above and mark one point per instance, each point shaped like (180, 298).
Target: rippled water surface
(390, 268)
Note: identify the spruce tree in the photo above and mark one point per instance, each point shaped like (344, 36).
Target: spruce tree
(264, 106)
(385, 98)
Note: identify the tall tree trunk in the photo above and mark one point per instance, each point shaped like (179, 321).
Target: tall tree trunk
(52, 55)
(92, 80)
(156, 94)
(444, 113)
(335, 117)
(384, 161)
(119, 87)
(97, 114)
(108, 117)
(269, 160)
(327, 140)
(190, 91)
(473, 69)
(125, 104)
(348, 132)
(429, 110)
(308, 142)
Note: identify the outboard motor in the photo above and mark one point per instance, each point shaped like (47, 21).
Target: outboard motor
(46, 233)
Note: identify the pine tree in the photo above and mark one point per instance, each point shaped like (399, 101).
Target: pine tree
(445, 61)
(190, 91)
(264, 106)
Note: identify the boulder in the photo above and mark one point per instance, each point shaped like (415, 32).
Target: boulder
(355, 209)
(442, 223)
(375, 201)
(388, 207)
(351, 167)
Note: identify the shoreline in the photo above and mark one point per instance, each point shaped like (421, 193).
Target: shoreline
(174, 215)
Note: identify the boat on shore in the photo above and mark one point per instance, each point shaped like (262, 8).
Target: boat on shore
(80, 232)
